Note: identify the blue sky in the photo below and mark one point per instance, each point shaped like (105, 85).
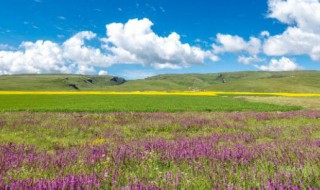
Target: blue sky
(197, 23)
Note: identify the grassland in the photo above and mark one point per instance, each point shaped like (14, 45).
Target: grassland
(106, 136)
(293, 81)
(131, 103)
(189, 150)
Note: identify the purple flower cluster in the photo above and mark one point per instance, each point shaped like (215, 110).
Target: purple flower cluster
(86, 182)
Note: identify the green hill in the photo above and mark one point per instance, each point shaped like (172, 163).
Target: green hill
(293, 81)
(53, 82)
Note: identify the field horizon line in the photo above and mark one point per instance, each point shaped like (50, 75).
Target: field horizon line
(187, 93)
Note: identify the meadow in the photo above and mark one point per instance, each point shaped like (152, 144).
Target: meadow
(131, 103)
(189, 150)
(158, 140)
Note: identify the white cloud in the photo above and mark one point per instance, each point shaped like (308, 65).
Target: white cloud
(294, 41)
(38, 57)
(282, 64)
(264, 34)
(75, 50)
(102, 72)
(247, 60)
(235, 44)
(315, 53)
(305, 14)
(50, 57)
(302, 37)
(135, 42)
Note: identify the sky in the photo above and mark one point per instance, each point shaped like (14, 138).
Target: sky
(139, 38)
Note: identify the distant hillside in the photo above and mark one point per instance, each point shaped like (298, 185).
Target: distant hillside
(59, 82)
(295, 81)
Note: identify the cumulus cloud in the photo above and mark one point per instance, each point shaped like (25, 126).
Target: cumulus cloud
(73, 56)
(305, 14)
(282, 64)
(294, 41)
(226, 43)
(131, 43)
(38, 57)
(75, 50)
(135, 42)
(302, 37)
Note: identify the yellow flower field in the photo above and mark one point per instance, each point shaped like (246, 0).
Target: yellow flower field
(186, 93)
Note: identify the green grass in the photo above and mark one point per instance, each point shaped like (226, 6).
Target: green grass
(131, 103)
(293, 81)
